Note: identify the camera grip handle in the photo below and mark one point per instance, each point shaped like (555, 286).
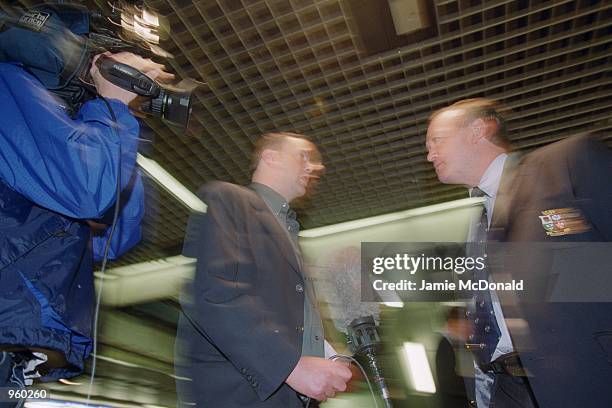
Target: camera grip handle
(126, 77)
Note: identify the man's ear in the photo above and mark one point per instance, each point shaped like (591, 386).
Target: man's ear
(269, 156)
(483, 129)
(479, 130)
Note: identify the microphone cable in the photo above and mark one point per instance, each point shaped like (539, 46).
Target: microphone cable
(105, 256)
(365, 375)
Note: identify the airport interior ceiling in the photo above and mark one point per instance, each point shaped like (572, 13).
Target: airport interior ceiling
(360, 77)
(337, 71)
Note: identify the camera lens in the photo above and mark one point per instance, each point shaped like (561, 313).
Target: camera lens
(174, 106)
(177, 107)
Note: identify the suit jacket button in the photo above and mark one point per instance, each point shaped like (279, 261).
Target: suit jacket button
(299, 328)
(299, 288)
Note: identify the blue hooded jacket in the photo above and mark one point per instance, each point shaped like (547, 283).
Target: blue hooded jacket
(55, 174)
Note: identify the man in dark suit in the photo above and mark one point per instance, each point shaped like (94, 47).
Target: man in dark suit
(251, 334)
(542, 353)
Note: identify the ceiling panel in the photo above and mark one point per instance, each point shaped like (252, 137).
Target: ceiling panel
(305, 66)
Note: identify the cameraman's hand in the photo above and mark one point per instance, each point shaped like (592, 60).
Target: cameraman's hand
(319, 378)
(108, 90)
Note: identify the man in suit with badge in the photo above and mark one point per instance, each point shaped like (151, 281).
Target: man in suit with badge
(251, 334)
(533, 352)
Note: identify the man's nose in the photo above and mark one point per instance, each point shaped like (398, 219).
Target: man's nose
(314, 167)
(431, 155)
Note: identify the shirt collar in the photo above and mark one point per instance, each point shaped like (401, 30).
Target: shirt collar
(277, 203)
(489, 183)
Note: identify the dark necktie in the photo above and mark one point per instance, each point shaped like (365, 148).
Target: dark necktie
(486, 332)
(293, 226)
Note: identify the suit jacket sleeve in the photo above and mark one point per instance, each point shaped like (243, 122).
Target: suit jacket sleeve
(232, 295)
(590, 167)
(571, 173)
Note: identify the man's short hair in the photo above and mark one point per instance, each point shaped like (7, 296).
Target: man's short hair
(272, 140)
(481, 108)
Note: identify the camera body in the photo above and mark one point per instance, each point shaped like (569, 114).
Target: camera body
(57, 42)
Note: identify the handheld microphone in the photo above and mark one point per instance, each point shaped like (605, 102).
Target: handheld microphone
(353, 317)
(364, 340)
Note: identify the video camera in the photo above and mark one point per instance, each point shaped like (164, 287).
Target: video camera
(56, 42)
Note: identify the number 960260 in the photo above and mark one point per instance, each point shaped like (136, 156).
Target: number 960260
(18, 394)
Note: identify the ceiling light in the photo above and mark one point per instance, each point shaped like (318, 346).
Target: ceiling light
(68, 382)
(382, 219)
(170, 184)
(397, 305)
(417, 366)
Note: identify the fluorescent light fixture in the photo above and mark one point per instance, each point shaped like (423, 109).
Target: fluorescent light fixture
(145, 32)
(115, 361)
(385, 218)
(100, 275)
(418, 367)
(68, 382)
(391, 299)
(61, 404)
(142, 23)
(170, 184)
(397, 305)
(169, 265)
(132, 365)
(150, 18)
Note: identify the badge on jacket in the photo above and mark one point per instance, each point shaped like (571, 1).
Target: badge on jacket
(563, 221)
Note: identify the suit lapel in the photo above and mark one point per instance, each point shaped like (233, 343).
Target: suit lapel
(277, 234)
(499, 223)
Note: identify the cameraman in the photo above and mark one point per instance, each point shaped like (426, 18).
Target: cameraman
(58, 178)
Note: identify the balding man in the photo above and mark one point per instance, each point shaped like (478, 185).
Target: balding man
(252, 332)
(558, 193)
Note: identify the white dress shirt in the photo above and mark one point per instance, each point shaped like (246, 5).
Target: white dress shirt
(489, 184)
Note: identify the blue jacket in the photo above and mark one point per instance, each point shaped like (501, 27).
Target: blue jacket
(55, 174)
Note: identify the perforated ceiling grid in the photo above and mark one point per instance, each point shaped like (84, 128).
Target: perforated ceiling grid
(301, 66)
